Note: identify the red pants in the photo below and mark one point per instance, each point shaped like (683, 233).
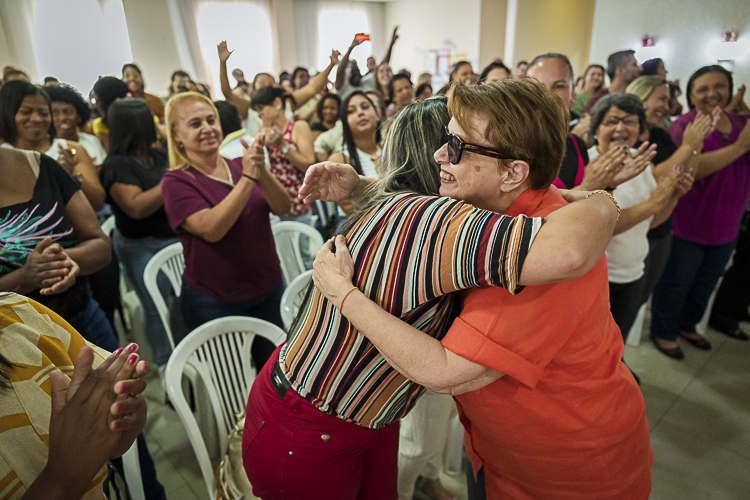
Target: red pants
(293, 451)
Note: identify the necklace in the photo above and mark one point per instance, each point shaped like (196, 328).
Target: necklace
(226, 167)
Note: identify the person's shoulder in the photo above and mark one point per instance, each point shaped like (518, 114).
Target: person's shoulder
(659, 135)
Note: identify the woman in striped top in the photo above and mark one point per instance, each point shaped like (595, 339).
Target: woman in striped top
(320, 419)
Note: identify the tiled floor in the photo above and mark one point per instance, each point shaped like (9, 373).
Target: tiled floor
(698, 410)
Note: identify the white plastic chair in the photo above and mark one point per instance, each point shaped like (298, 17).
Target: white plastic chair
(132, 310)
(288, 245)
(219, 352)
(131, 467)
(171, 262)
(293, 297)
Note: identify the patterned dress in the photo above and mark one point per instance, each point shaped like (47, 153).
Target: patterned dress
(284, 171)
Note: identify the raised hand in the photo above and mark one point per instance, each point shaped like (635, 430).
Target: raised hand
(355, 42)
(328, 181)
(224, 52)
(394, 36)
(635, 163)
(335, 56)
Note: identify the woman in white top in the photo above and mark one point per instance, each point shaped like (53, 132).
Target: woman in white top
(69, 114)
(646, 200)
(361, 126)
(31, 110)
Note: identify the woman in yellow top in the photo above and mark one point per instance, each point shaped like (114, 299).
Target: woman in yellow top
(61, 420)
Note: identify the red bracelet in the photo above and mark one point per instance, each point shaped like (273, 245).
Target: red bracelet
(341, 307)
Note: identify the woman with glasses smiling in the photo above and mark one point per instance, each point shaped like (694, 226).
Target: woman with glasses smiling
(322, 417)
(549, 409)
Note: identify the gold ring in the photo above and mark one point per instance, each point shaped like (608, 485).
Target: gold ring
(73, 151)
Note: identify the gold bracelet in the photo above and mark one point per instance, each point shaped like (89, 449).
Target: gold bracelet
(341, 307)
(608, 194)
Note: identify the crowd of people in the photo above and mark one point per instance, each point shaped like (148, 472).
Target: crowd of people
(495, 242)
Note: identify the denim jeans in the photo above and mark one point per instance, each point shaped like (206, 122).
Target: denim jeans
(689, 278)
(134, 254)
(198, 308)
(93, 326)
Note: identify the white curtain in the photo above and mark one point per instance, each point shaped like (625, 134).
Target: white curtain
(18, 21)
(76, 41)
(325, 24)
(199, 25)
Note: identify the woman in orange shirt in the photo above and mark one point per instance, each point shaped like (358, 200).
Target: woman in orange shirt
(548, 407)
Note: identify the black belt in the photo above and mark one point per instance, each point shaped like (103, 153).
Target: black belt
(279, 381)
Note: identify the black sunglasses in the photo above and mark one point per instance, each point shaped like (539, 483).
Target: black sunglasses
(456, 147)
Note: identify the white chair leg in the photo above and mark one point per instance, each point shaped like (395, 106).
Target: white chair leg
(636, 331)
(132, 469)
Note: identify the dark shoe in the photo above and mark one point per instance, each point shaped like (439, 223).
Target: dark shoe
(729, 329)
(736, 333)
(701, 343)
(674, 353)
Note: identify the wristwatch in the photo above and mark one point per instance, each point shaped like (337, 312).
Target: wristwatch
(285, 149)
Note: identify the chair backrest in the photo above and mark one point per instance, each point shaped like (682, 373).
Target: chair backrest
(171, 262)
(219, 352)
(293, 297)
(108, 226)
(288, 245)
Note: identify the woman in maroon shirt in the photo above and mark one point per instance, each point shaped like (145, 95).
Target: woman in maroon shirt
(220, 209)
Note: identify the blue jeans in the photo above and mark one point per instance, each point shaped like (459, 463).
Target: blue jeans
(134, 254)
(689, 278)
(198, 308)
(93, 326)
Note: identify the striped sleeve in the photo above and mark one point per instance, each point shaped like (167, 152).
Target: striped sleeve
(416, 248)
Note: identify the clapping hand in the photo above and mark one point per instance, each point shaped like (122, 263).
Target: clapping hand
(635, 163)
(601, 171)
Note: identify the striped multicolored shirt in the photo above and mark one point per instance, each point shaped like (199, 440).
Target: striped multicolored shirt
(409, 252)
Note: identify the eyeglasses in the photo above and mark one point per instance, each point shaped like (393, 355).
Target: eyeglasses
(628, 121)
(456, 147)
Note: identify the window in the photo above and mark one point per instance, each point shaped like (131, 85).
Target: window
(79, 40)
(247, 30)
(332, 18)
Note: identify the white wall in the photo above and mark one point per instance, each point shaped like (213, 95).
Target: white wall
(427, 24)
(684, 32)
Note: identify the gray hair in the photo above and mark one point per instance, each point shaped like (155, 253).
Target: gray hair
(628, 103)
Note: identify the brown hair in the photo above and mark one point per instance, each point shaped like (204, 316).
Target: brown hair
(177, 158)
(524, 119)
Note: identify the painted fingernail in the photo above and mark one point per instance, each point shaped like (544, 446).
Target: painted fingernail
(119, 409)
(116, 425)
(131, 347)
(118, 352)
(132, 359)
